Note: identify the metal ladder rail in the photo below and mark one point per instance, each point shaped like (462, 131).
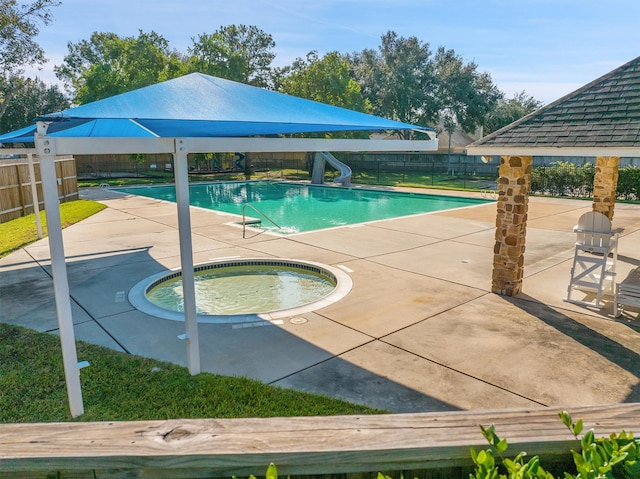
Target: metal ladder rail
(244, 221)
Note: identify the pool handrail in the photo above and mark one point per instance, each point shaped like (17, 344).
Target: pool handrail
(244, 222)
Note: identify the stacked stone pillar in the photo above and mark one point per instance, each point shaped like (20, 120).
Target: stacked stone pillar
(605, 184)
(514, 186)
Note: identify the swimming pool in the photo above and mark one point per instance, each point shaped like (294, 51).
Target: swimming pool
(299, 207)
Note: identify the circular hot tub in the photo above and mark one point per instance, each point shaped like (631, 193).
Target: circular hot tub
(237, 290)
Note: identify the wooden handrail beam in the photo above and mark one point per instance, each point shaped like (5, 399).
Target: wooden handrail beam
(298, 445)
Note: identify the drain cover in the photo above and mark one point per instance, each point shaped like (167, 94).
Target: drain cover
(298, 320)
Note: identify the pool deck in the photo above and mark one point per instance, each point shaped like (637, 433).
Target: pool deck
(420, 330)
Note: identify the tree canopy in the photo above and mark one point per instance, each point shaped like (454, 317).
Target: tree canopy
(19, 26)
(255, 47)
(31, 98)
(464, 95)
(327, 80)
(509, 110)
(236, 52)
(398, 79)
(402, 79)
(107, 64)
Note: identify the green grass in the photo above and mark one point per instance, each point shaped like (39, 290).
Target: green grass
(118, 386)
(423, 180)
(20, 232)
(92, 183)
(168, 179)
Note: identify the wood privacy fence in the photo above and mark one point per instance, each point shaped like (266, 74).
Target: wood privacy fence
(426, 445)
(15, 185)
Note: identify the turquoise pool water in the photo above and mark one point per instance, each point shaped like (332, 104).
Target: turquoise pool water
(297, 208)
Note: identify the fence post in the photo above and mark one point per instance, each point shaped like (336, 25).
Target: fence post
(464, 172)
(34, 194)
(60, 171)
(20, 195)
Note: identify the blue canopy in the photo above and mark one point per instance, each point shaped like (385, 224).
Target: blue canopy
(82, 128)
(198, 105)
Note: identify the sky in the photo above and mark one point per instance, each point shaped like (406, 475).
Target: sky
(547, 48)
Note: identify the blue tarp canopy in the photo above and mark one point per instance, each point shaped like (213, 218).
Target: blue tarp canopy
(198, 105)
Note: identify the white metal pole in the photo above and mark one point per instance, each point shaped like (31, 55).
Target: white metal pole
(59, 270)
(181, 171)
(34, 193)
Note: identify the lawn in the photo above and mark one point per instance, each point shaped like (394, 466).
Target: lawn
(118, 386)
(20, 232)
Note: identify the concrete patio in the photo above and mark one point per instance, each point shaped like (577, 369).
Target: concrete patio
(420, 331)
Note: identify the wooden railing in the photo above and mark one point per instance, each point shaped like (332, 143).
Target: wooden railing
(298, 446)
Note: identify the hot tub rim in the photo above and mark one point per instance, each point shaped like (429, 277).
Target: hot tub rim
(138, 299)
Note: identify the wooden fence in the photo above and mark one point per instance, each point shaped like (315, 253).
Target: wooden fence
(15, 185)
(428, 445)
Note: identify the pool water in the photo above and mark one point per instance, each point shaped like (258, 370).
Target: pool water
(298, 208)
(244, 290)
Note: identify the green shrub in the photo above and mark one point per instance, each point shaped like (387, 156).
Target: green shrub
(629, 183)
(615, 457)
(563, 178)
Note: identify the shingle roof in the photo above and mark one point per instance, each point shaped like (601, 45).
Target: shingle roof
(605, 112)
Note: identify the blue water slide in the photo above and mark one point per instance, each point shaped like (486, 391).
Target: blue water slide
(240, 158)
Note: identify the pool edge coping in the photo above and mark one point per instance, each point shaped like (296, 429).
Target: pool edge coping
(138, 300)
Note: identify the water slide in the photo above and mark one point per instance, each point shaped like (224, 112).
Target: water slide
(322, 157)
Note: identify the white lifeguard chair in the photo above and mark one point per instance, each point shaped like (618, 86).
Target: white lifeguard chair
(594, 260)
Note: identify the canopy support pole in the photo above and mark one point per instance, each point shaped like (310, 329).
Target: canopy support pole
(46, 150)
(181, 171)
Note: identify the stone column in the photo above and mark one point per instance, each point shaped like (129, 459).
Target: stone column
(511, 224)
(605, 184)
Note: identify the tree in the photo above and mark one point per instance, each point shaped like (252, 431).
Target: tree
(236, 52)
(463, 94)
(398, 80)
(403, 81)
(31, 98)
(107, 64)
(212, 56)
(508, 111)
(327, 80)
(19, 25)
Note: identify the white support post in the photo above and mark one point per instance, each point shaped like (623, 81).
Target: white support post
(47, 153)
(34, 193)
(181, 172)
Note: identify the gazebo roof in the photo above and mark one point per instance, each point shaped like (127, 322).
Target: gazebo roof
(601, 118)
